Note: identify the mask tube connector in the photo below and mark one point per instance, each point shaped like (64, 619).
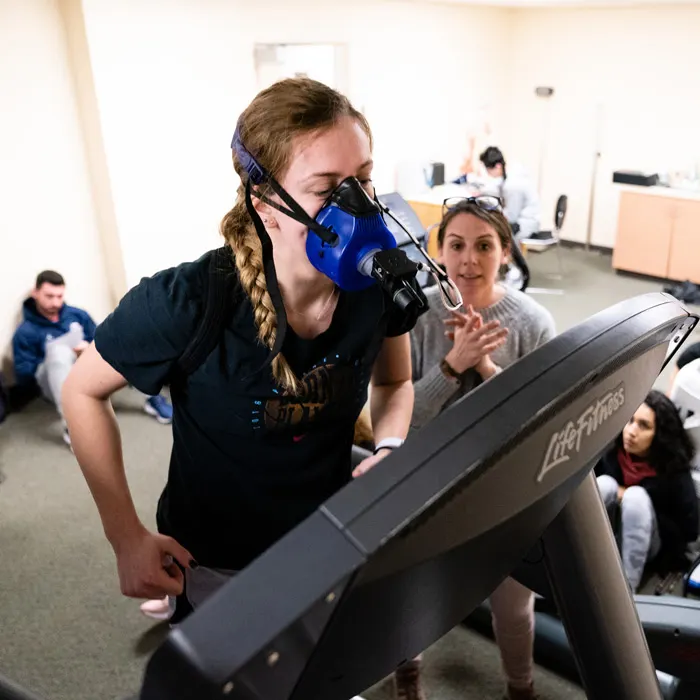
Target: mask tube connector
(365, 264)
(396, 273)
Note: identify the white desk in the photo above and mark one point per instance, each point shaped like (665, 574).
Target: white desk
(437, 195)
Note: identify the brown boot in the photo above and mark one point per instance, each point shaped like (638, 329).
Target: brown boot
(520, 693)
(407, 680)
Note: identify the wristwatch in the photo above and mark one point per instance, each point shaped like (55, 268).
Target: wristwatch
(449, 371)
(388, 443)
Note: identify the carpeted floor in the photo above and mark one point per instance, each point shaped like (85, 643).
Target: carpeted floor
(67, 633)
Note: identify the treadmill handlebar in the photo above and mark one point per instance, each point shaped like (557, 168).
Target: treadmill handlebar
(10, 691)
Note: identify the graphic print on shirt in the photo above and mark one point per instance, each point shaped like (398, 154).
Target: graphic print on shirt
(324, 392)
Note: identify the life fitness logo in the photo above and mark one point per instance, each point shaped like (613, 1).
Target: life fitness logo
(566, 443)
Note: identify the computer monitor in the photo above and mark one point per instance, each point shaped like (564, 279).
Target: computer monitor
(400, 556)
(403, 211)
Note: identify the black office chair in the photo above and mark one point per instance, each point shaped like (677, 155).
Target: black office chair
(518, 260)
(690, 580)
(546, 239)
(560, 211)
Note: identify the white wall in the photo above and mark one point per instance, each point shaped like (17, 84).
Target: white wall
(422, 72)
(636, 69)
(172, 78)
(47, 219)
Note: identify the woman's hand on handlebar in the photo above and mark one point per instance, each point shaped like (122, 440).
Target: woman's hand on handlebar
(146, 565)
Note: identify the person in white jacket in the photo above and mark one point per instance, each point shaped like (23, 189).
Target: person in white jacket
(516, 189)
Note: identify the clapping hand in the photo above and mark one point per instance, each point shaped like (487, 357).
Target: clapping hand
(473, 341)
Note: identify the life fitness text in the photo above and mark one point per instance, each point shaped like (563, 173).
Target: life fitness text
(567, 442)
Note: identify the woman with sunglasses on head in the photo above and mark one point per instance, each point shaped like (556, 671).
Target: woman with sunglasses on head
(263, 428)
(452, 354)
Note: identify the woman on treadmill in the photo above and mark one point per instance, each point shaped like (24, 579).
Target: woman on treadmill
(647, 472)
(258, 443)
(452, 354)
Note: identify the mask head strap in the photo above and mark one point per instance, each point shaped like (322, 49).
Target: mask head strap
(273, 288)
(258, 175)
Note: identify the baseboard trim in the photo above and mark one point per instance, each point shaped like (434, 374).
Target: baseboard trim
(649, 278)
(577, 244)
(624, 273)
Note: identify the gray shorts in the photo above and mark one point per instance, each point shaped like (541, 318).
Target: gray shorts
(200, 583)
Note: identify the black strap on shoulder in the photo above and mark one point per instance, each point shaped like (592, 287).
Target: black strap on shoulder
(219, 295)
(273, 288)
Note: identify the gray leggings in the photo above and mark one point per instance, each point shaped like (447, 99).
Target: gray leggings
(640, 533)
(53, 371)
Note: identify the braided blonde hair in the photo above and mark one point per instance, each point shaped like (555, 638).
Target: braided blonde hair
(268, 127)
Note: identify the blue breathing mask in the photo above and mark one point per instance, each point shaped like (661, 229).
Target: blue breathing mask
(348, 240)
(358, 224)
(351, 243)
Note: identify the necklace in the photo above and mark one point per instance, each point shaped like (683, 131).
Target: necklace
(323, 310)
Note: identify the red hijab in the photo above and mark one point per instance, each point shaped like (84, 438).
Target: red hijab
(634, 469)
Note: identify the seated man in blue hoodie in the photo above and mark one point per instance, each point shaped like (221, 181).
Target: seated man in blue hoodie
(50, 339)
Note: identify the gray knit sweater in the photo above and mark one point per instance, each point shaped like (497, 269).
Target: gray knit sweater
(529, 324)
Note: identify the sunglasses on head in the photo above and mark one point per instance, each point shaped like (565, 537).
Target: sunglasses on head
(486, 202)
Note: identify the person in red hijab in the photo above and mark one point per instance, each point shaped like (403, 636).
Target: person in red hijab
(647, 472)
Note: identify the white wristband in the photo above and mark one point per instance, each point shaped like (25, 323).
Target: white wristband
(388, 443)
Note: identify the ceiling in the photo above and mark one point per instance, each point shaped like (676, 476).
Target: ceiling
(570, 3)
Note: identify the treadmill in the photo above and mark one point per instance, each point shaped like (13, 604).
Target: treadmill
(401, 555)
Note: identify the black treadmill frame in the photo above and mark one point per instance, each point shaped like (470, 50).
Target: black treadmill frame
(374, 551)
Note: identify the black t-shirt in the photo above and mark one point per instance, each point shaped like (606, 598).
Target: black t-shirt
(248, 462)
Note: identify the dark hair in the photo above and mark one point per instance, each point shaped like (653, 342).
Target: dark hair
(49, 277)
(495, 218)
(671, 449)
(492, 157)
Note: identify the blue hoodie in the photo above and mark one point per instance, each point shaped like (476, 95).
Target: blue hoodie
(29, 341)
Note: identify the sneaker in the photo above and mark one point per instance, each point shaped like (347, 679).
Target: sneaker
(66, 437)
(407, 681)
(160, 409)
(157, 609)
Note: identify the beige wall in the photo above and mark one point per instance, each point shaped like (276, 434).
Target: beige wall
(171, 79)
(90, 123)
(631, 70)
(119, 118)
(168, 104)
(47, 219)
(115, 129)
